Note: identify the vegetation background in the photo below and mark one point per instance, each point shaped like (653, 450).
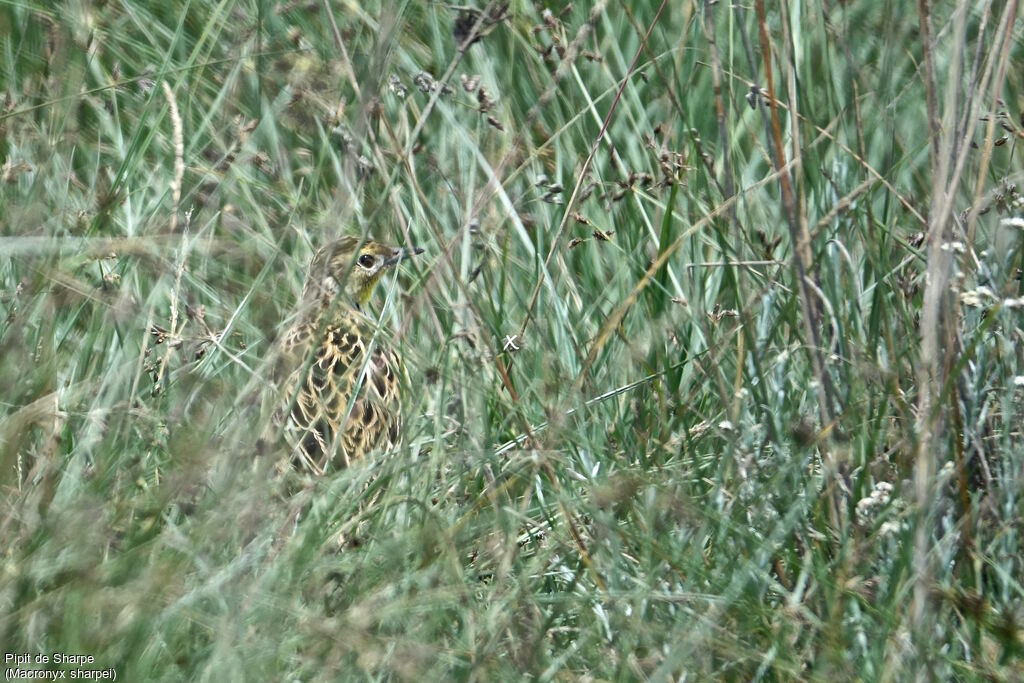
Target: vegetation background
(715, 351)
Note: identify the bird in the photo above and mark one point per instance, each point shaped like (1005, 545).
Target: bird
(341, 389)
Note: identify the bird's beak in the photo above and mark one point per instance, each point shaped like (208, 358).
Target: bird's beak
(399, 254)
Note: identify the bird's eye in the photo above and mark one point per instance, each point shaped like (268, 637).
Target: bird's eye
(366, 261)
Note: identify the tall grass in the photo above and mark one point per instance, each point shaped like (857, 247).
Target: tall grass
(714, 352)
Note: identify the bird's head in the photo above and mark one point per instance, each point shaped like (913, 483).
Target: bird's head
(352, 268)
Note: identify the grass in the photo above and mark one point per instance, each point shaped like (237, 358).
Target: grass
(706, 382)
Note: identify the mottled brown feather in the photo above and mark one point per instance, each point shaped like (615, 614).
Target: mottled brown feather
(339, 369)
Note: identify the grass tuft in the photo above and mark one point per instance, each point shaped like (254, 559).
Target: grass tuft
(714, 349)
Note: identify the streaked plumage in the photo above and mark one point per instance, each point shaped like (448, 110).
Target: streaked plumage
(340, 370)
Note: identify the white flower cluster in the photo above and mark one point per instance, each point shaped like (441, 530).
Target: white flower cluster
(868, 507)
